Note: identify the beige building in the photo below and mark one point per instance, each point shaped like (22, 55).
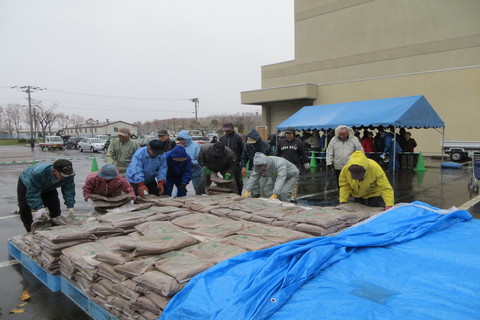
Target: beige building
(350, 50)
(100, 128)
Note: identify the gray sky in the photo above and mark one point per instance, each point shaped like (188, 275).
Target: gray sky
(170, 51)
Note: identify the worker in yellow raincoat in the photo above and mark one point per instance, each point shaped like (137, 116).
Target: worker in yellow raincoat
(366, 181)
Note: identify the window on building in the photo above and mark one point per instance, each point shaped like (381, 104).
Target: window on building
(115, 129)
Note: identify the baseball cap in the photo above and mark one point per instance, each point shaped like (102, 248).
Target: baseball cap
(290, 129)
(227, 126)
(218, 149)
(358, 172)
(124, 131)
(156, 146)
(162, 132)
(108, 171)
(64, 167)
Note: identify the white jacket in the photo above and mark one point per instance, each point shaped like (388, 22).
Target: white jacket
(338, 151)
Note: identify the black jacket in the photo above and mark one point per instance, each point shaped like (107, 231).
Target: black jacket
(293, 150)
(223, 164)
(169, 145)
(235, 142)
(251, 148)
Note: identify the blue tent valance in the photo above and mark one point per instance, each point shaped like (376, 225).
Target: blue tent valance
(403, 112)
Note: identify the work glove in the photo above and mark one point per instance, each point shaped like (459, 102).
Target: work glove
(306, 165)
(329, 167)
(182, 187)
(70, 212)
(388, 208)
(142, 188)
(274, 196)
(40, 214)
(161, 186)
(227, 177)
(246, 194)
(206, 171)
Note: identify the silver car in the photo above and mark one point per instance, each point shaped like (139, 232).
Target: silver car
(91, 144)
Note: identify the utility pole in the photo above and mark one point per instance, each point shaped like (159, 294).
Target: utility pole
(195, 100)
(28, 90)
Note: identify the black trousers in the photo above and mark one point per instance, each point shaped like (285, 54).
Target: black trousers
(152, 188)
(49, 198)
(371, 202)
(238, 178)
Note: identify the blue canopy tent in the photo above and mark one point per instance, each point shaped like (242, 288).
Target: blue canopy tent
(402, 112)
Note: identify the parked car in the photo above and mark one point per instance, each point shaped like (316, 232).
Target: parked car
(145, 140)
(104, 137)
(72, 142)
(91, 144)
(107, 143)
(200, 139)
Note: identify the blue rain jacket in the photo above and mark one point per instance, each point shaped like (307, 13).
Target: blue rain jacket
(179, 171)
(193, 148)
(144, 168)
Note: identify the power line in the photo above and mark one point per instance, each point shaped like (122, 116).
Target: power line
(113, 97)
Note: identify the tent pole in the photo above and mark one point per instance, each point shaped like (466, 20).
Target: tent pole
(394, 146)
(443, 141)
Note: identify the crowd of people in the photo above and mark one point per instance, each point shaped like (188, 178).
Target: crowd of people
(271, 168)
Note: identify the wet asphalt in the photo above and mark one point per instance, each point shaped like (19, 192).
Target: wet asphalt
(443, 188)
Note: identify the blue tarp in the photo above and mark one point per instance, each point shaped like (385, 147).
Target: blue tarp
(411, 262)
(408, 112)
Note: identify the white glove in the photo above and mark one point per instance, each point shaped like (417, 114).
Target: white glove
(306, 165)
(70, 211)
(40, 214)
(90, 201)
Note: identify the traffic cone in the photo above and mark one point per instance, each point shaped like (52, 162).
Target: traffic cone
(313, 160)
(420, 175)
(420, 165)
(94, 165)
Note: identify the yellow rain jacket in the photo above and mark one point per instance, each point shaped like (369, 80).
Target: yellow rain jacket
(375, 182)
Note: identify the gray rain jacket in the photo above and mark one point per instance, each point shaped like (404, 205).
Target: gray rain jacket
(279, 169)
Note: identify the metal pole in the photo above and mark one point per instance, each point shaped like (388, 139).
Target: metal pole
(195, 100)
(30, 112)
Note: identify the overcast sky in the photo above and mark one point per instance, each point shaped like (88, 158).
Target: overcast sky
(93, 55)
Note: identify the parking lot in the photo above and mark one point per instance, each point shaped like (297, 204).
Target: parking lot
(442, 188)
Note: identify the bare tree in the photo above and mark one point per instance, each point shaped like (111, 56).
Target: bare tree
(63, 121)
(1, 117)
(45, 116)
(77, 122)
(14, 117)
(9, 127)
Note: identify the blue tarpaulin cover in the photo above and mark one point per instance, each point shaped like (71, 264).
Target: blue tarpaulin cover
(409, 112)
(411, 262)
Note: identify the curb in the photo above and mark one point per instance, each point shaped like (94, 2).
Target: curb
(45, 160)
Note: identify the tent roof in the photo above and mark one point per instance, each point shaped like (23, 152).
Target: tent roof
(409, 112)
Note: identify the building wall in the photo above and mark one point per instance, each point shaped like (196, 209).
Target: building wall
(111, 129)
(372, 49)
